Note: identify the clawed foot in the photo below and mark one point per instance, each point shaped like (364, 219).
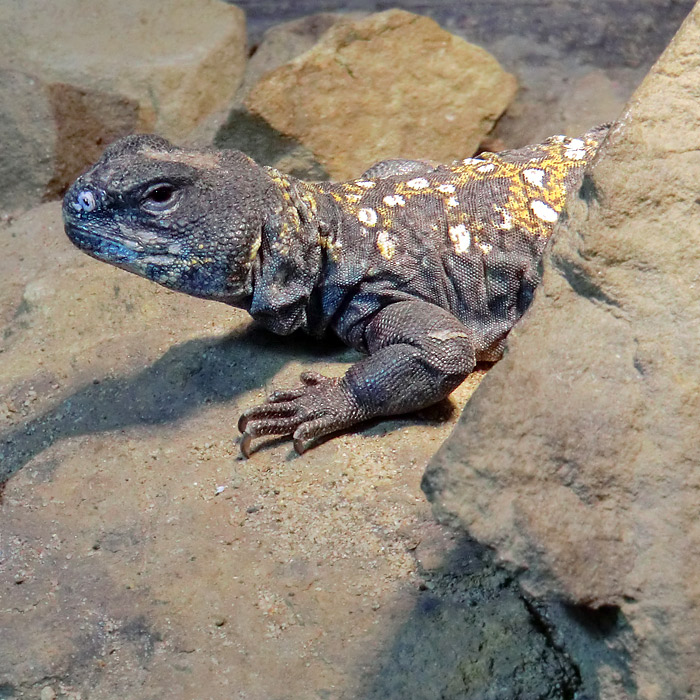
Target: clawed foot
(320, 406)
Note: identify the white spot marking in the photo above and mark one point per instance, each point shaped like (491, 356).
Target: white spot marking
(367, 216)
(489, 167)
(461, 238)
(353, 197)
(472, 161)
(367, 184)
(575, 149)
(447, 189)
(418, 183)
(447, 335)
(507, 223)
(394, 200)
(386, 245)
(534, 176)
(486, 248)
(452, 202)
(543, 211)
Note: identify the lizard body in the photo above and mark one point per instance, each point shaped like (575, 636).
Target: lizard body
(422, 267)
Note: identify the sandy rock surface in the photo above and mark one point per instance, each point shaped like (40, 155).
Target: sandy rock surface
(28, 145)
(394, 85)
(586, 478)
(140, 557)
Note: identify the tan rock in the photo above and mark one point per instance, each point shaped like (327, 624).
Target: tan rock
(178, 61)
(392, 85)
(577, 459)
(235, 127)
(28, 139)
(50, 133)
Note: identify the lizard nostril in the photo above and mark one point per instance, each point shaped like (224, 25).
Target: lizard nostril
(85, 201)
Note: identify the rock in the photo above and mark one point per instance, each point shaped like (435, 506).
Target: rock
(67, 129)
(577, 458)
(28, 144)
(86, 121)
(393, 85)
(178, 64)
(235, 127)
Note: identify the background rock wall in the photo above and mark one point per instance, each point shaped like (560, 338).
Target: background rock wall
(601, 32)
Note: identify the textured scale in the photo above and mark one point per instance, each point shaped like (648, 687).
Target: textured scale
(424, 268)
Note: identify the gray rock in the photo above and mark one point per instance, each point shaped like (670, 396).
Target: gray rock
(28, 140)
(178, 62)
(577, 458)
(50, 133)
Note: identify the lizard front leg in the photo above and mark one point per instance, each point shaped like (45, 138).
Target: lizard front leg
(418, 353)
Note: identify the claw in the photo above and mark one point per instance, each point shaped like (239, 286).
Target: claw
(299, 446)
(245, 445)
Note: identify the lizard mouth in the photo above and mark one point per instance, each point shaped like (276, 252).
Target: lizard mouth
(103, 247)
(116, 250)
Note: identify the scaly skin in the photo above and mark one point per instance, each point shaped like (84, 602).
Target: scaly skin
(422, 267)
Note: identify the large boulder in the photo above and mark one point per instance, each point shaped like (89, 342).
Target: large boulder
(28, 145)
(577, 457)
(394, 85)
(235, 127)
(50, 132)
(177, 62)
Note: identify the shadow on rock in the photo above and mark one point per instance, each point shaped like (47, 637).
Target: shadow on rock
(185, 378)
(472, 636)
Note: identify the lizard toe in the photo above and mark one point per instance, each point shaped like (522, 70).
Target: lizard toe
(312, 410)
(308, 431)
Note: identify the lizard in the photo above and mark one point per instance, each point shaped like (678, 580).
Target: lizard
(424, 268)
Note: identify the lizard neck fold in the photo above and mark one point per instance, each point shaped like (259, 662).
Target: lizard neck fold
(290, 258)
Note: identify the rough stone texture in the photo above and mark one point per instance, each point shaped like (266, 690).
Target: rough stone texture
(28, 144)
(235, 127)
(50, 132)
(178, 62)
(577, 458)
(140, 558)
(394, 85)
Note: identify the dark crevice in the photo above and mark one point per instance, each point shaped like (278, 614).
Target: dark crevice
(599, 623)
(571, 688)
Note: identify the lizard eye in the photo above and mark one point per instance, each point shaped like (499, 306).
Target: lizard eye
(160, 197)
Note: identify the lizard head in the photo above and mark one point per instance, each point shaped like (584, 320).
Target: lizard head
(189, 220)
